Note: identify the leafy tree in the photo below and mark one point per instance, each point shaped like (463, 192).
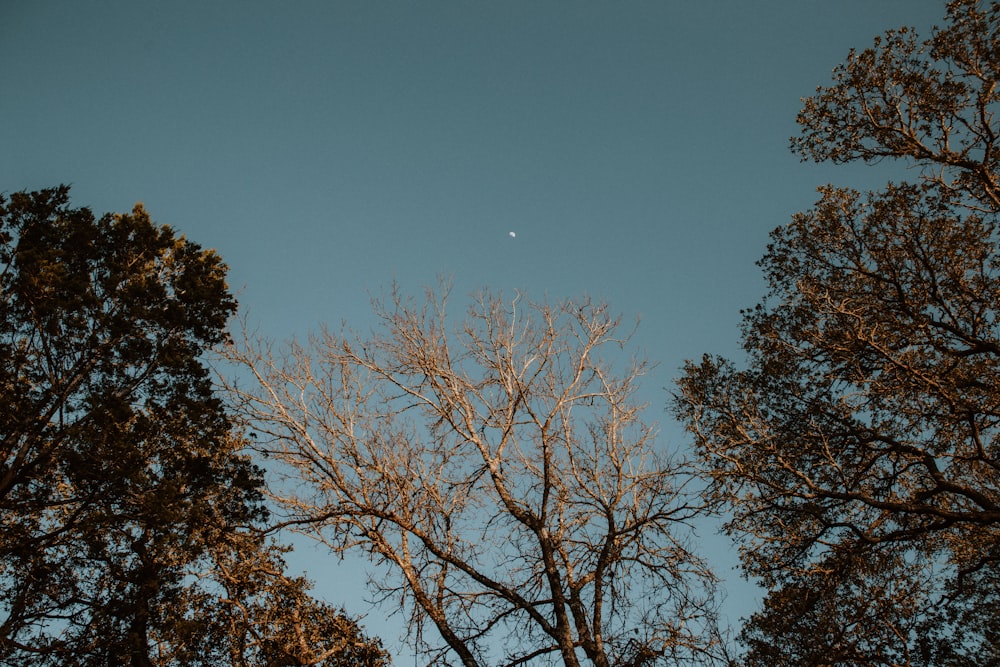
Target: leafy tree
(499, 474)
(858, 450)
(130, 518)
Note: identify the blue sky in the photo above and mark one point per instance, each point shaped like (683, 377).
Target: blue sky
(325, 149)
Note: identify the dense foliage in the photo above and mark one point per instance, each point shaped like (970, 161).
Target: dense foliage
(130, 518)
(858, 447)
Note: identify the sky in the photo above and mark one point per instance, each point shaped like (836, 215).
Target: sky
(638, 150)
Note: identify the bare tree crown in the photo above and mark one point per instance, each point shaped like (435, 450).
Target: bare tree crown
(501, 470)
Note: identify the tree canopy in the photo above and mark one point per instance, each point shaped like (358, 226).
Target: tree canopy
(857, 447)
(498, 471)
(131, 516)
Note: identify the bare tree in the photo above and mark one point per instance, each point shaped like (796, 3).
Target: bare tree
(500, 477)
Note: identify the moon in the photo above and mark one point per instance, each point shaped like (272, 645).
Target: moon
(512, 234)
